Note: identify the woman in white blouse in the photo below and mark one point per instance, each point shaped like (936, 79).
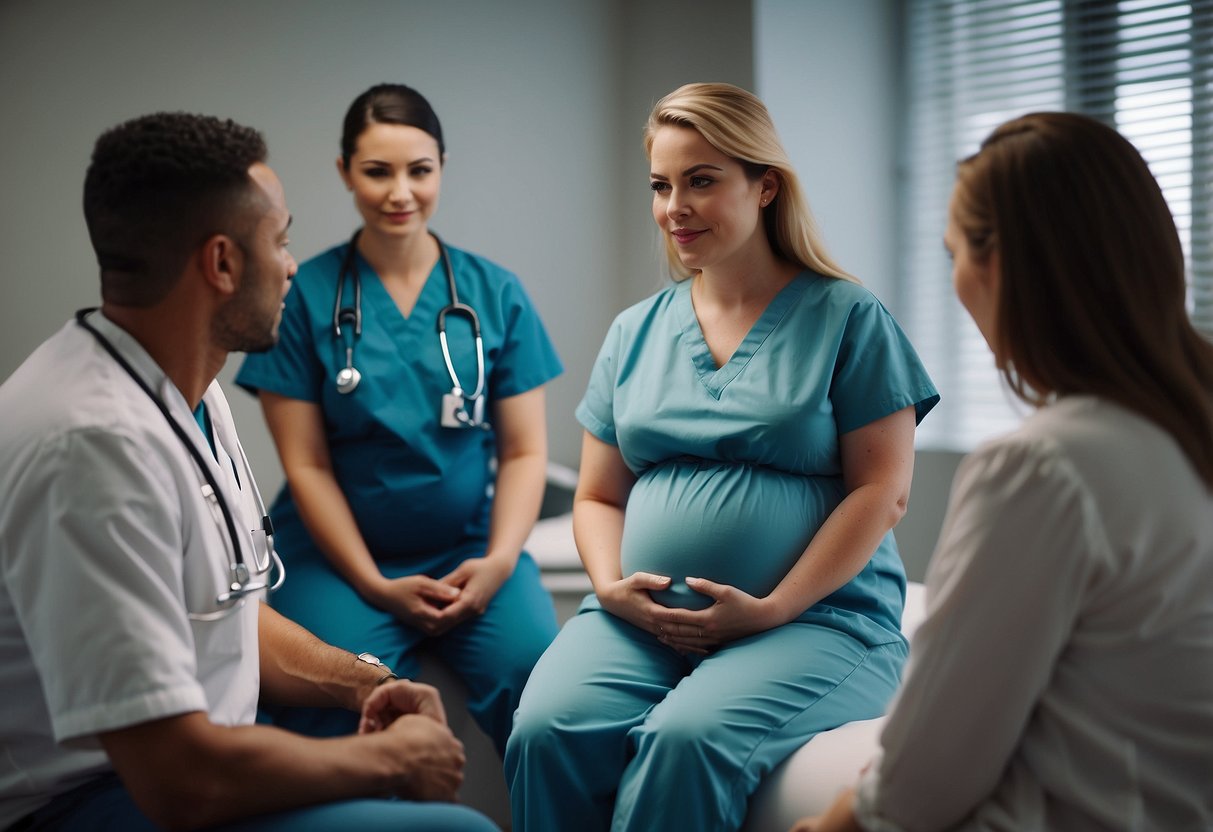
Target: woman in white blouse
(1063, 679)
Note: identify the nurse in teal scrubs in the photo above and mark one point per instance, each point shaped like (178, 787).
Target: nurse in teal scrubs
(748, 449)
(401, 527)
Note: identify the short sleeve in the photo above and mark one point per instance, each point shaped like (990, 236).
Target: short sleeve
(98, 555)
(528, 358)
(877, 372)
(596, 412)
(291, 368)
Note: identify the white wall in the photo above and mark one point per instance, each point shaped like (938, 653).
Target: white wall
(829, 73)
(541, 101)
(668, 44)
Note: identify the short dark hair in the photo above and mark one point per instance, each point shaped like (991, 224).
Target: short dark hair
(388, 104)
(159, 185)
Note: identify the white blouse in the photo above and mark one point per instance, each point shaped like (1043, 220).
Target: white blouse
(1063, 677)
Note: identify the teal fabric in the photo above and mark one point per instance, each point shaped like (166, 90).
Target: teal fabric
(104, 805)
(616, 731)
(493, 653)
(399, 468)
(420, 492)
(203, 417)
(737, 467)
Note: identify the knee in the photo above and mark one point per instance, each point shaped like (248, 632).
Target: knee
(544, 728)
(531, 742)
(680, 734)
(533, 726)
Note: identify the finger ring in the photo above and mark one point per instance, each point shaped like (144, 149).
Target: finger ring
(701, 632)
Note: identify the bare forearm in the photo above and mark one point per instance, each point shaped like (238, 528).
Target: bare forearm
(598, 532)
(187, 773)
(285, 770)
(301, 670)
(840, 549)
(603, 486)
(516, 501)
(522, 455)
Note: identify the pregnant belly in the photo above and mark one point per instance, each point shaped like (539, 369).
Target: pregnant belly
(734, 524)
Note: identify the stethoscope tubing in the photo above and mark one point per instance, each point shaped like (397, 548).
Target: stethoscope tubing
(455, 307)
(236, 591)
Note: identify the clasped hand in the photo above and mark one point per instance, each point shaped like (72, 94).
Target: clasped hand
(734, 614)
(411, 716)
(435, 605)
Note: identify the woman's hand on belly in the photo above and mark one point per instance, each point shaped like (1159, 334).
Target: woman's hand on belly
(733, 615)
(417, 600)
(629, 599)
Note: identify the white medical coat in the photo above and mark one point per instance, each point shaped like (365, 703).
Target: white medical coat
(106, 540)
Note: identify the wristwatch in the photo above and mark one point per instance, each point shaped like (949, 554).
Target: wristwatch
(375, 660)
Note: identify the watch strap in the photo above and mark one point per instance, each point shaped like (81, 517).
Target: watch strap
(375, 661)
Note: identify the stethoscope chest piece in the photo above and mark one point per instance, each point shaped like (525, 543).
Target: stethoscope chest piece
(348, 376)
(459, 408)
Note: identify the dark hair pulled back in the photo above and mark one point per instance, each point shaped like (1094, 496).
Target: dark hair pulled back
(388, 104)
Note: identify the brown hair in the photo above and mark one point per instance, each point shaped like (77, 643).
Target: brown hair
(1092, 294)
(737, 123)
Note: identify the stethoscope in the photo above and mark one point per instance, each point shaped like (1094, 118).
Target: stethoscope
(241, 583)
(459, 408)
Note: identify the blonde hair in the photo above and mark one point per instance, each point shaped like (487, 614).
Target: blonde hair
(1092, 295)
(737, 124)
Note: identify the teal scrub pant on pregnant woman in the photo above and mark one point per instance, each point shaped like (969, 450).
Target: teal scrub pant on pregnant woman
(617, 731)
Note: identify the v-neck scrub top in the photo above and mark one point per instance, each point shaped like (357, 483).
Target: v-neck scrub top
(738, 466)
(416, 488)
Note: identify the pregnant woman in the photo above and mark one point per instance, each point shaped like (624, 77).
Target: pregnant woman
(748, 449)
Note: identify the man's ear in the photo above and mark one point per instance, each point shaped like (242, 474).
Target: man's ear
(221, 261)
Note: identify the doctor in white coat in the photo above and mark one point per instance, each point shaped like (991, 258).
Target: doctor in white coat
(134, 559)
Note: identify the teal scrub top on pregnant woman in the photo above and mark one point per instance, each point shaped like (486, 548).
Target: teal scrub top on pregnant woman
(738, 466)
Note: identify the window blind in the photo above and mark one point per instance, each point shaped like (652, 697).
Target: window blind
(1142, 66)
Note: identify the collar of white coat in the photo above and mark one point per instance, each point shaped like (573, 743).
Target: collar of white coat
(155, 378)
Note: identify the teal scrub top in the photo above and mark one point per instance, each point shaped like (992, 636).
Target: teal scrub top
(416, 488)
(738, 466)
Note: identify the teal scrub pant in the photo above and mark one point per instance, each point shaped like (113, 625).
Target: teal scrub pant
(103, 805)
(617, 731)
(493, 653)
